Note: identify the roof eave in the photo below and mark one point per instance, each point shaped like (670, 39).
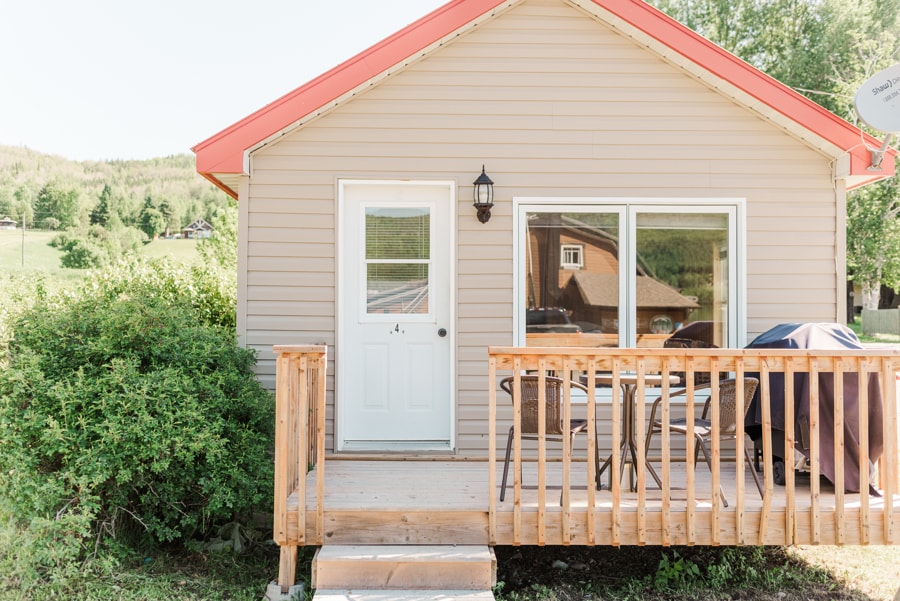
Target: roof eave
(759, 92)
(225, 152)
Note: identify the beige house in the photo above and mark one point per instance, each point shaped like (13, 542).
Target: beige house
(358, 231)
(198, 229)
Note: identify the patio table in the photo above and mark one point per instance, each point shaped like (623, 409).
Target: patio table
(629, 381)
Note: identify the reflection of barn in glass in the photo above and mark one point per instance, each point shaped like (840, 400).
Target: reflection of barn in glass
(822, 336)
(575, 265)
(596, 297)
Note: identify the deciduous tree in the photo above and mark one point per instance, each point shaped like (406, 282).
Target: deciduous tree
(824, 49)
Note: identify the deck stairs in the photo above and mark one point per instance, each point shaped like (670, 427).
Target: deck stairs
(404, 573)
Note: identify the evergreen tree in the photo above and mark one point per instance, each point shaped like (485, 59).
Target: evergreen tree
(64, 205)
(152, 221)
(101, 213)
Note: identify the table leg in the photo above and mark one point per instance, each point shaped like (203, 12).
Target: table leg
(632, 444)
(628, 446)
(628, 418)
(623, 443)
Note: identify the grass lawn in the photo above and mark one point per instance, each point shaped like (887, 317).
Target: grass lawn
(178, 250)
(39, 257)
(874, 571)
(524, 574)
(879, 338)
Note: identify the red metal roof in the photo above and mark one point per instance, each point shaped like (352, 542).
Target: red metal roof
(224, 152)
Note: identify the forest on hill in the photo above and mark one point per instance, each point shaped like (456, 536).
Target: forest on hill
(103, 209)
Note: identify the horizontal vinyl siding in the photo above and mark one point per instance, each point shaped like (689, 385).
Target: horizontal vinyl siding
(553, 104)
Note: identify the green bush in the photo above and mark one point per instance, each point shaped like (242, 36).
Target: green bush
(210, 292)
(128, 401)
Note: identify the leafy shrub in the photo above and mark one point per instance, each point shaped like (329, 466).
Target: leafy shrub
(210, 292)
(129, 400)
(97, 246)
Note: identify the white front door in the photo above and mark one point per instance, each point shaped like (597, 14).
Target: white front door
(395, 347)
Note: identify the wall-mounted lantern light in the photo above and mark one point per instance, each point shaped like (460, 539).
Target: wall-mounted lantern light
(484, 196)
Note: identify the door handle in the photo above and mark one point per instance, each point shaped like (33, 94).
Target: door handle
(442, 332)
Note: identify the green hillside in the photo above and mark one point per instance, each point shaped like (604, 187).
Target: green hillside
(103, 209)
(170, 183)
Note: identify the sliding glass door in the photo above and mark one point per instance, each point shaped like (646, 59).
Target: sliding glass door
(630, 274)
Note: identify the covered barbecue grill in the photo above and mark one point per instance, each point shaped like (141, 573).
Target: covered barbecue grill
(821, 336)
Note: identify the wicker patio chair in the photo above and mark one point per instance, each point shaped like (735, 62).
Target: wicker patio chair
(730, 424)
(555, 429)
(700, 377)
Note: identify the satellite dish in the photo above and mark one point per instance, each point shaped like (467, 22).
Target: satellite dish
(878, 100)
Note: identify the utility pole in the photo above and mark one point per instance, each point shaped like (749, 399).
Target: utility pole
(23, 240)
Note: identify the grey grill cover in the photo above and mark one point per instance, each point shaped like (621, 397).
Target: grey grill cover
(819, 336)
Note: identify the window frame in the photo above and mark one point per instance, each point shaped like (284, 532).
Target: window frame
(628, 210)
(579, 248)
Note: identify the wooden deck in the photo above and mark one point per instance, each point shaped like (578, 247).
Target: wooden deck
(444, 502)
(408, 500)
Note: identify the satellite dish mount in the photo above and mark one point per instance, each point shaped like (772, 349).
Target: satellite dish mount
(877, 103)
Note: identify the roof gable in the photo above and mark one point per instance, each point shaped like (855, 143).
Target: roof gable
(224, 155)
(199, 224)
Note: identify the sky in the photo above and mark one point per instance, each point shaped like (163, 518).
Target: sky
(129, 79)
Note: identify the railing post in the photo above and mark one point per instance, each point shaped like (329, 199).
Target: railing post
(299, 446)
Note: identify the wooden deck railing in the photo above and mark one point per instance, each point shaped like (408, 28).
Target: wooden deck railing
(299, 444)
(863, 525)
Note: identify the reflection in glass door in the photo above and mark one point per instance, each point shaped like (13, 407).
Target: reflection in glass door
(682, 278)
(571, 279)
(618, 275)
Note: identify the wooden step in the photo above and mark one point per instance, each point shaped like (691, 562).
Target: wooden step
(427, 595)
(404, 567)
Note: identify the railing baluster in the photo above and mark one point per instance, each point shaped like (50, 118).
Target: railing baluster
(789, 435)
(566, 494)
(862, 379)
(716, 450)
(739, 453)
(542, 451)
(638, 422)
(319, 402)
(690, 450)
(814, 466)
(767, 450)
(492, 449)
(592, 452)
(517, 451)
(890, 475)
(666, 466)
(615, 476)
(838, 375)
(301, 390)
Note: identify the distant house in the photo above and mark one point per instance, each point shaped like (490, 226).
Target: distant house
(7, 224)
(198, 229)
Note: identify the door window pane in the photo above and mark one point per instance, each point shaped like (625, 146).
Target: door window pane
(572, 278)
(397, 257)
(682, 278)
